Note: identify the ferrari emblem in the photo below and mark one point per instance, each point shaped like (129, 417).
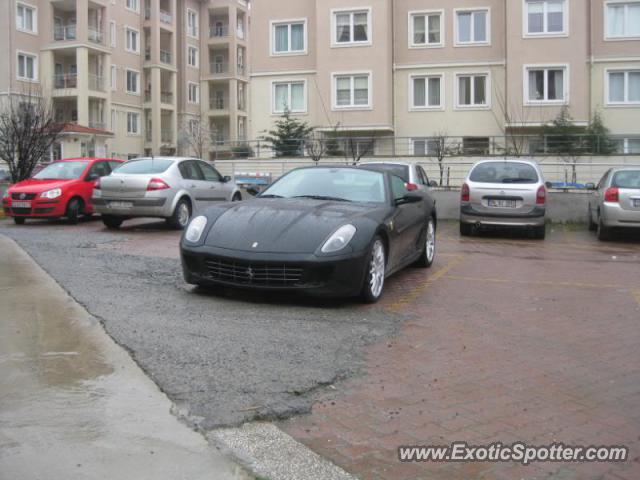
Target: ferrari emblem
(255, 245)
(250, 273)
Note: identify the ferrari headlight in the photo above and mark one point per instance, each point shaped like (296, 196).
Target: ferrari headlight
(339, 239)
(195, 229)
(51, 194)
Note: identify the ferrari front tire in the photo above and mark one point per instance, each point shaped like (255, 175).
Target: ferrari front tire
(375, 273)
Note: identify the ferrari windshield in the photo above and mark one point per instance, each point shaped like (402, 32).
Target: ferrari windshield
(62, 171)
(324, 183)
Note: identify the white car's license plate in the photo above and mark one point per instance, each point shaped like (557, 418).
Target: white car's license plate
(636, 202)
(120, 204)
(19, 204)
(494, 202)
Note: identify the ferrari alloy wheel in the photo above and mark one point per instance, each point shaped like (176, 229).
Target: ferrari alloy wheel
(429, 248)
(374, 280)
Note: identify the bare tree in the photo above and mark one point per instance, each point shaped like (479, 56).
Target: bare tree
(196, 135)
(28, 130)
(518, 114)
(440, 151)
(358, 147)
(316, 146)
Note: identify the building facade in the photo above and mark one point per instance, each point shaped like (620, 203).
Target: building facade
(473, 69)
(131, 77)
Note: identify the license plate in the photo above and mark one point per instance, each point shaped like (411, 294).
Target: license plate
(636, 202)
(120, 204)
(502, 203)
(20, 204)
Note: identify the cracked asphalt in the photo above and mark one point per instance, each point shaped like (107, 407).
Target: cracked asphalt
(224, 358)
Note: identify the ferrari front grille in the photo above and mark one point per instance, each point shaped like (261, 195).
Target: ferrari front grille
(245, 273)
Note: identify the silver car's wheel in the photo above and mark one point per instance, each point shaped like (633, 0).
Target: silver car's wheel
(183, 214)
(374, 280)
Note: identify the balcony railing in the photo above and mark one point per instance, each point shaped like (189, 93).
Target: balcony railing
(166, 97)
(217, 104)
(166, 135)
(219, 68)
(240, 33)
(242, 69)
(64, 33)
(166, 17)
(148, 134)
(96, 82)
(147, 95)
(218, 32)
(67, 80)
(147, 54)
(99, 124)
(96, 35)
(165, 57)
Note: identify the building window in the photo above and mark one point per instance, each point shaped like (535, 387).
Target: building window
(623, 87)
(133, 82)
(193, 92)
(545, 17)
(133, 5)
(546, 85)
(114, 77)
(622, 20)
(475, 145)
(289, 37)
(426, 29)
(472, 90)
(289, 96)
(423, 147)
(27, 67)
(133, 123)
(192, 56)
(192, 23)
(26, 18)
(352, 91)
(472, 27)
(132, 40)
(426, 92)
(113, 33)
(352, 27)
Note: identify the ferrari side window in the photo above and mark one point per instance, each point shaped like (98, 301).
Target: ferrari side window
(398, 187)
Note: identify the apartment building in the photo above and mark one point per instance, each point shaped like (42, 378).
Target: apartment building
(131, 77)
(473, 69)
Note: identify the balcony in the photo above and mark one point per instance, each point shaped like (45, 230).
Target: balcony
(166, 98)
(147, 13)
(240, 33)
(242, 70)
(218, 32)
(96, 83)
(147, 95)
(165, 57)
(147, 54)
(219, 68)
(217, 104)
(99, 124)
(166, 136)
(61, 34)
(68, 80)
(166, 17)
(148, 134)
(95, 35)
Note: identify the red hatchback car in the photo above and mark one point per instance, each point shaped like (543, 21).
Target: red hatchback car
(61, 189)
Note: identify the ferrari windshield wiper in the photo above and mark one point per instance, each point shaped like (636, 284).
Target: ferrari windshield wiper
(271, 196)
(323, 197)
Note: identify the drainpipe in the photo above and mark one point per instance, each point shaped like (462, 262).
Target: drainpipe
(393, 76)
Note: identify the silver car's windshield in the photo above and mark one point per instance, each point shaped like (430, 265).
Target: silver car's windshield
(626, 179)
(145, 166)
(62, 171)
(504, 172)
(344, 184)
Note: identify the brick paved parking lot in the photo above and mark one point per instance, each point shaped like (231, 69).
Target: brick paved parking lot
(507, 339)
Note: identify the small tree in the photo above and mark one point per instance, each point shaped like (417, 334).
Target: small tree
(440, 151)
(288, 137)
(197, 137)
(28, 130)
(600, 141)
(564, 139)
(316, 147)
(358, 147)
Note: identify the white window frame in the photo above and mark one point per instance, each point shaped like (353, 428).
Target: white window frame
(334, 90)
(128, 29)
(196, 89)
(131, 92)
(137, 7)
(289, 22)
(488, 92)
(113, 33)
(545, 34)
(418, 108)
(34, 14)
(288, 82)
(426, 13)
(472, 43)
(36, 64)
(137, 132)
(626, 102)
(605, 16)
(545, 67)
(197, 56)
(191, 32)
(113, 77)
(352, 11)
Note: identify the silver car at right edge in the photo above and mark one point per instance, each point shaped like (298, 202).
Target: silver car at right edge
(505, 193)
(615, 202)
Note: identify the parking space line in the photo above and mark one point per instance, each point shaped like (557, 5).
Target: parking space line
(414, 293)
(543, 283)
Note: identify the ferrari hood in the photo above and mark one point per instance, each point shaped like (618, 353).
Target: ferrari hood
(281, 225)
